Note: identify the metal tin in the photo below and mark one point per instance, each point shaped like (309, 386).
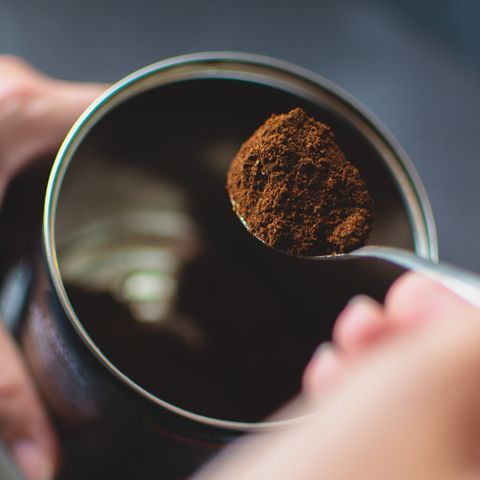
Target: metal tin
(86, 391)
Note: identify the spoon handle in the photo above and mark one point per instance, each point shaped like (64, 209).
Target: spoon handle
(465, 284)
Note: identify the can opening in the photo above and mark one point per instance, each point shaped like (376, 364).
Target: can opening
(161, 275)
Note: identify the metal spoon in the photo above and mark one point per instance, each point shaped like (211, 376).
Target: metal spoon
(465, 284)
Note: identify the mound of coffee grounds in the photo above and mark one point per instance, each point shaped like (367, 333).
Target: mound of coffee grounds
(294, 189)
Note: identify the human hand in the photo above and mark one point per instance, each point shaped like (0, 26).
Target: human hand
(24, 426)
(36, 112)
(396, 397)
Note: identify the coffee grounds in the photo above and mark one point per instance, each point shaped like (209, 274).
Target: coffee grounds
(294, 189)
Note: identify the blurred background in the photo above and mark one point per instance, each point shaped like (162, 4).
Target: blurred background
(414, 63)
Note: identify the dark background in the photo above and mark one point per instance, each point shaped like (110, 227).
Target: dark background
(414, 63)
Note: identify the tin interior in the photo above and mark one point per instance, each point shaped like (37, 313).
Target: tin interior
(142, 216)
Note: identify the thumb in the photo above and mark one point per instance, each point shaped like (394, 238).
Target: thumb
(24, 425)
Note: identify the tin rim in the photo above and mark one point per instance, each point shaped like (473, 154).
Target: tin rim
(281, 74)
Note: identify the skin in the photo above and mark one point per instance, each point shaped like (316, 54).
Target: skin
(36, 113)
(395, 396)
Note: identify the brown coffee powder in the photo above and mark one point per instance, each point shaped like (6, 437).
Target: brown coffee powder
(295, 190)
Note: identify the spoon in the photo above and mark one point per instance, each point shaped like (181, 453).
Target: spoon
(465, 284)
(461, 282)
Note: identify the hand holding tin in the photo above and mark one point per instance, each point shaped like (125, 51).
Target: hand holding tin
(25, 428)
(36, 112)
(294, 190)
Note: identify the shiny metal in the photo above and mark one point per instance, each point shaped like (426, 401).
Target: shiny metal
(465, 284)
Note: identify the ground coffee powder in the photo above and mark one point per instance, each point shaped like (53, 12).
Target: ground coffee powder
(294, 189)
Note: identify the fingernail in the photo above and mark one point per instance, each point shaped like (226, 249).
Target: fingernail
(322, 368)
(323, 347)
(359, 300)
(357, 304)
(324, 361)
(31, 460)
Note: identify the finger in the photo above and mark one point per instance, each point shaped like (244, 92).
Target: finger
(324, 367)
(19, 67)
(24, 425)
(415, 299)
(361, 323)
(403, 412)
